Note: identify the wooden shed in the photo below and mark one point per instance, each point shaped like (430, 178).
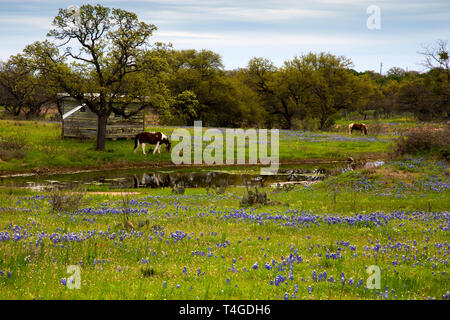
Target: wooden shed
(83, 123)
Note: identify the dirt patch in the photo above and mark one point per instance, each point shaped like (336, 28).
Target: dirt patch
(392, 176)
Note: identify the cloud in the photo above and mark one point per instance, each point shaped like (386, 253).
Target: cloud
(33, 22)
(280, 29)
(213, 15)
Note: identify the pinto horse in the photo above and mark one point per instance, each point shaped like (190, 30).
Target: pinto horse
(357, 126)
(157, 138)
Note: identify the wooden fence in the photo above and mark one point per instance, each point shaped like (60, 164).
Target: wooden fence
(83, 123)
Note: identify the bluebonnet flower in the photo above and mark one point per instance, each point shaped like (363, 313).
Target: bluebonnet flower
(360, 282)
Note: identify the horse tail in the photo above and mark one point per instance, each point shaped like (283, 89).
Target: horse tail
(136, 141)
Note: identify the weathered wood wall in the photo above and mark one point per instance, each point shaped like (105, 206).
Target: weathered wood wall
(83, 124)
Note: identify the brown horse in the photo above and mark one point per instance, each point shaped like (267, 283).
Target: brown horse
(152, 138)
(357, 126)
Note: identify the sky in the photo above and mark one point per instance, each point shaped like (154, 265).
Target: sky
(369, 32)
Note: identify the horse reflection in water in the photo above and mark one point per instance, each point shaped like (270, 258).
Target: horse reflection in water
(186, 180)
(194, 180)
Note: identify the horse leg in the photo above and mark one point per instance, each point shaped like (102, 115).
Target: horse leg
(136, 147)
(159, 153)
(143, 148)
(157, 145)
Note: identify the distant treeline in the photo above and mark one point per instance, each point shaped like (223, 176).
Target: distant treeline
(187, 85)
(308, 88)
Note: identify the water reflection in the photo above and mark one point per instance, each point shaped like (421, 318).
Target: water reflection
(196, 178)
(220, 179)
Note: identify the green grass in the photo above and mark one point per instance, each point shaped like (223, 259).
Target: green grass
(415, 237)
(46, 150)
(392, 121)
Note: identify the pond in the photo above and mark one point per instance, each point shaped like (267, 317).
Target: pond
(305, 174)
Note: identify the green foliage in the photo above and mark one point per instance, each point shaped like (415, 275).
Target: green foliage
(184, 109)
(23, 88)
(203, 91)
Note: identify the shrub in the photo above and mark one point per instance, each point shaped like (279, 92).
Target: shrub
(65, 201)
(432, 141)
(51, 150)
(178, 189)
(13, 147)
(256, 198)
(376, 128)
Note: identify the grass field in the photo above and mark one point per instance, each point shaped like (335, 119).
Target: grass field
(44, 149)
(309, 243)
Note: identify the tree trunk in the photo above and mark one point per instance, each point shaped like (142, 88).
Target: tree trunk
(288, 122)
(101, 131)
(323, 120)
